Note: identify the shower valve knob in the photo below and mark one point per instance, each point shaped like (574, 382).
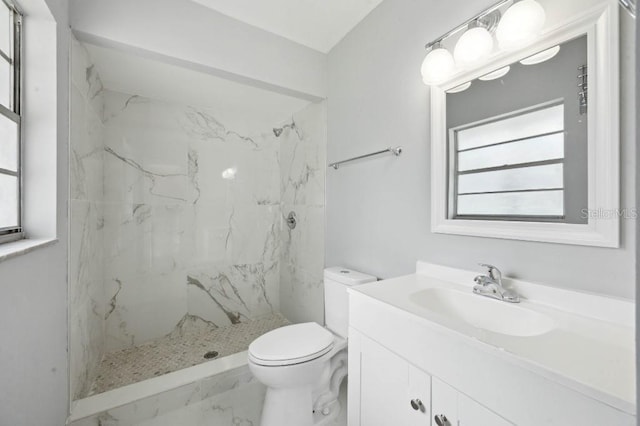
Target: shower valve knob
(291, 220)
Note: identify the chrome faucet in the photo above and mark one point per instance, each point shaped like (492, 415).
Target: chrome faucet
(490, 285)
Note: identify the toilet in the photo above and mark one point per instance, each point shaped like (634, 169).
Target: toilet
(302, 365)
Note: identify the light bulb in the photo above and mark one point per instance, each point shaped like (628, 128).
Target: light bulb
(474, 45)
(437, 66)
(521, 23)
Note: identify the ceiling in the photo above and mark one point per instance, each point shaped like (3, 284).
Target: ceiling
(238, 106)
(318, 24)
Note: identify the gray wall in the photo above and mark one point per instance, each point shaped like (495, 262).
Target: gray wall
(378, 211)
(33, 312)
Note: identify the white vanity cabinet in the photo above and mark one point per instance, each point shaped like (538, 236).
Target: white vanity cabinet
(392, 391)
(456, 409)
(577, 372)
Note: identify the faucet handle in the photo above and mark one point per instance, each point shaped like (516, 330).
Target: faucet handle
(493, 272)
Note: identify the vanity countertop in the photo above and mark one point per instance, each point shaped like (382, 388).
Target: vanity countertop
(591, 348)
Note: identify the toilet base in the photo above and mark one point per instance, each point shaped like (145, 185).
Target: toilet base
(332, 410)
(287, 406)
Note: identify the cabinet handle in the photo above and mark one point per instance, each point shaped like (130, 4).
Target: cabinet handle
(417, 405)
(441, 420)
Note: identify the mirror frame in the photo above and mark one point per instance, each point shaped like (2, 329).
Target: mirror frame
(600, 23)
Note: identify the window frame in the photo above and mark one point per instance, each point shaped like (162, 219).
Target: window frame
(15, 114)
(454, 173)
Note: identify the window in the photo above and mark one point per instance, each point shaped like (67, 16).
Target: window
(10, 120)
(510, 167)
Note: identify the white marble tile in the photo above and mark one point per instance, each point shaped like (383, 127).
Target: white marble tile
(230, 398)
(303, 157)
(86, 291)
(303, 162)
(141, 238)
(85, 76)
(201, 124)
(241, 406)
(229, 380)
(145, 157)
(230, 294)
(140, 411)
(144, 272)
(143, 307)
(86, 150)
(254, 234)
(207, 238)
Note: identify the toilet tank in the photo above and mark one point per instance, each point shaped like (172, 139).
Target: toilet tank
(336, 300)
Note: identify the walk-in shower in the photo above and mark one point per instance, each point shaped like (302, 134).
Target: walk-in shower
(179, 251)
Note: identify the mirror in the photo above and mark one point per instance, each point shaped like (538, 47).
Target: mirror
(517, 140)
(526, 145)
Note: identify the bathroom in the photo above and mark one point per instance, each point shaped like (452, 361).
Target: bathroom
(187, 205)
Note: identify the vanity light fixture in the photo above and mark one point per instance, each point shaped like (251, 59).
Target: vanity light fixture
(540, 57)
(521, 23)
(437, 66)
(501, 72)
(461, 88)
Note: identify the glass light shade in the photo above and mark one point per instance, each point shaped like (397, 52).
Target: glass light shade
(460, 88)
(437, 66)
(495, 74)
(540, 57)
(521, 23)
(474, 45)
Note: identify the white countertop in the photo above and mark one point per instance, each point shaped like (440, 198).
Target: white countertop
(592, 348)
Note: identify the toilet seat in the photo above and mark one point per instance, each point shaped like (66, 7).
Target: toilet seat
(292, 344)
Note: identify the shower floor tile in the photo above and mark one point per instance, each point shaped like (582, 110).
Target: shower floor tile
(184, 347)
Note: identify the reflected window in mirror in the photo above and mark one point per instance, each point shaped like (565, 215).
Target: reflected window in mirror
(517, 140)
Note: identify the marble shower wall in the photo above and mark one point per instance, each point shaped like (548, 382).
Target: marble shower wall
(86, 290)
(192, 219)
(303, 168)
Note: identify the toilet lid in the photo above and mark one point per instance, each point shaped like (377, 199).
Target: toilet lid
(291, 344)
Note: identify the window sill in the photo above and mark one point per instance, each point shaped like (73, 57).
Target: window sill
(18, 248)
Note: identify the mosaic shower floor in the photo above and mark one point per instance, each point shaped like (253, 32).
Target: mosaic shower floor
(186, 346)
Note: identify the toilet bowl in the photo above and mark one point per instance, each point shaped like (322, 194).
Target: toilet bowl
(303, 365)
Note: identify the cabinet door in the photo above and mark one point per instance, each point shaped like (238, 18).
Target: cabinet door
(452, 408)
(392, 392)
(470, 413)
(444, 404)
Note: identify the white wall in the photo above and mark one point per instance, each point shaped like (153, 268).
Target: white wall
(378, 211)
(33, 313)
(189, 34)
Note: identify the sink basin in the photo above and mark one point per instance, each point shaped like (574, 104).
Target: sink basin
(482, 312)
